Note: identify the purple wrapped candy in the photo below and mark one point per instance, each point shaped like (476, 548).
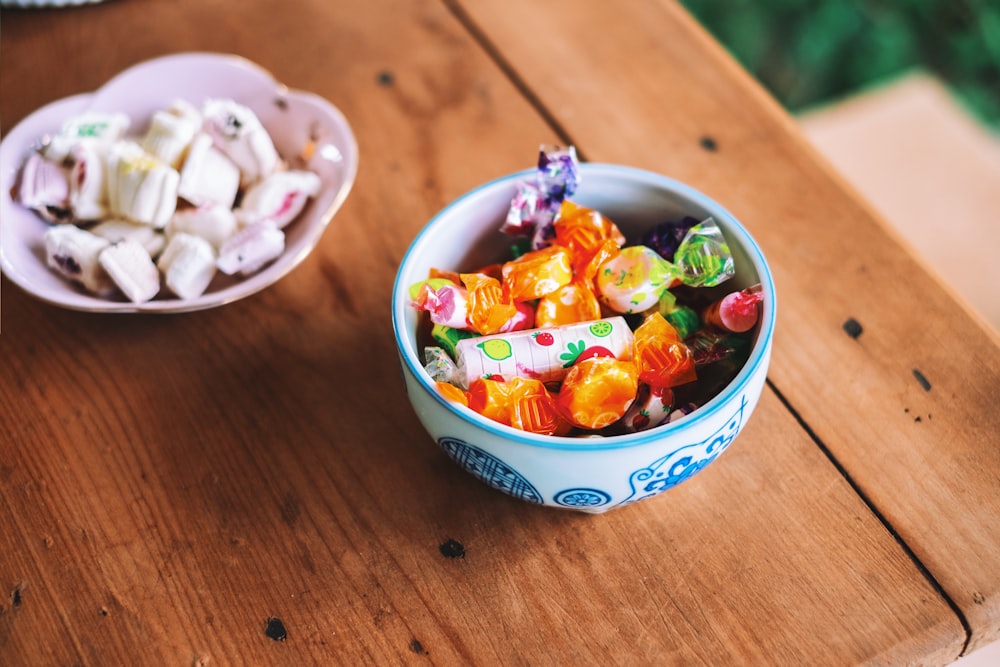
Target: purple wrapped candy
(544, 234)
(535, 204)
(666, 237)
(528, 208)
(558, 172)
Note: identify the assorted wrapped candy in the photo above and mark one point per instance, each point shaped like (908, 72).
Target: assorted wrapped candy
(537, 202)
(202, 191)
(541, 354)
(581, 332)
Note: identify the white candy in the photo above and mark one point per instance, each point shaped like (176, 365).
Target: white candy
(121, 230)
(132, 269)
(208, 176)
(88, 187)
(213, 222)
(251, 248)
(73, 253)
(140, 187)
(171, 131)
(131, 187)
(187, 265)
(43, 186)
(103, 128)
(238, 133)
(279, 198)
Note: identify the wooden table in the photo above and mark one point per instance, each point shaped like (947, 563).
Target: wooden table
(171, 485)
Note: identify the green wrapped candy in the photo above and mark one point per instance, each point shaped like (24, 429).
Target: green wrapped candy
(684, 319)
(703, 257)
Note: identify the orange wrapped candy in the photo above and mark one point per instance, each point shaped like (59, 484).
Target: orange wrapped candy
(538, 272)
(520, 402)
(443, 274)
(569, 304)
(533, 409)
(582, 229)
(661, 356)
(597, 391)
(491, 270)
(490, 308)
(586, 266)
(489, 398)
(452, 393)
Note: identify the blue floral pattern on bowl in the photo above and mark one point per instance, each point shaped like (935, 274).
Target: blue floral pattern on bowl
(490, 469)
(582, 498)
(672, 469)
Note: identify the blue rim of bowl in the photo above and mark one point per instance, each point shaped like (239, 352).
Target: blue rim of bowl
(758, 355)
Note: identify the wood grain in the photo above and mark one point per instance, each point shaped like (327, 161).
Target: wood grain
(168, 484)
(926, 457)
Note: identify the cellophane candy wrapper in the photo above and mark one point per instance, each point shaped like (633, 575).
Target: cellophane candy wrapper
(583, 332)
(558, 172)
(536, 202)
(704, 257)
(666, 237)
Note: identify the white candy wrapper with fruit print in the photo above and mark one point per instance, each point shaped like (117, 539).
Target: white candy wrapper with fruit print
(542, 354)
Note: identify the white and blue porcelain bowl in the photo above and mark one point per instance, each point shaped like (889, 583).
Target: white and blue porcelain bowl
(586, 474)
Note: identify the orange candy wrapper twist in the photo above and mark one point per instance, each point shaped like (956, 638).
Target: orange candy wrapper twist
(490, 308)
(661, 356)
(538, 272)
(452, 393)
(582, 229)
(522, 403)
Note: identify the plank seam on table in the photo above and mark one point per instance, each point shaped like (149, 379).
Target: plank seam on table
(493, 53)
(877, 513)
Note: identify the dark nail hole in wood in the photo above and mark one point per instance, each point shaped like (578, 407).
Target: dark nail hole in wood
(276, 629)
(853, 328)
(452, 549)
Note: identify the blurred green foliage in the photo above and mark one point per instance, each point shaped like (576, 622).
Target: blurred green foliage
(808, 52)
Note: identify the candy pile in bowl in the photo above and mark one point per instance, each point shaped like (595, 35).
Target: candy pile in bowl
(582, 331)
(202, 191)
(583, 336)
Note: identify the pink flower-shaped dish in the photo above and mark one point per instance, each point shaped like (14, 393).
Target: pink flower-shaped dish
(307, 130)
